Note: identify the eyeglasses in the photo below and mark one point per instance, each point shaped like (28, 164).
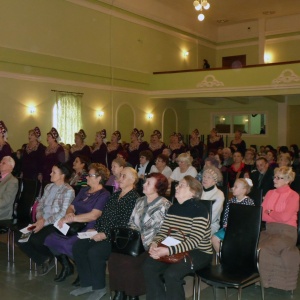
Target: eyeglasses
(277, 177)
(91, 175)
(182, 185)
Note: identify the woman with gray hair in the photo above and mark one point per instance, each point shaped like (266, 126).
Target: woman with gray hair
(192, 219)
(210, 178)
(8, 188)
(185, 167)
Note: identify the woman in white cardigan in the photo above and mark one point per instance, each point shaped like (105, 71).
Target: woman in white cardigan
(210, 178)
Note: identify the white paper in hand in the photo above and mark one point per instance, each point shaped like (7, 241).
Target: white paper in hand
(169, 241)
(64, 228)
(86, 235)
(25, 230)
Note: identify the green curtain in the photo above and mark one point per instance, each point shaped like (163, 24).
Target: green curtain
(67, 115)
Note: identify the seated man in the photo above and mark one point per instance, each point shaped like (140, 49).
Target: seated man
(262, 176)
(8, 188)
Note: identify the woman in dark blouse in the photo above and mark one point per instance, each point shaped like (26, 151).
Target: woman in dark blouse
(79, 148)
(113, 147)
(54, 154)
(91, 255)
(5, 149)
(156, 146)
(214, 141)
(176, 145)
(99, 151)
(238, 144)
(134, 148)
(33, 155)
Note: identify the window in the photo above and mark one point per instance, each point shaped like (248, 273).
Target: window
(67, 115)
(247, 123)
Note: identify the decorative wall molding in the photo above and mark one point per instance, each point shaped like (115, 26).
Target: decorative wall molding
(286, 76)
(210, 81)
(275, 40)
(74, 83)
(117, 111)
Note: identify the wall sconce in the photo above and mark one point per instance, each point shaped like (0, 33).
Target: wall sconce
(246, 120)
(100, 114)
(268, 58)
(185, 54)
(149, 116)
(31, 109)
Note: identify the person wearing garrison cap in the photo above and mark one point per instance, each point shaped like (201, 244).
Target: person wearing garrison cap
(99, 151)
(33, 155)
(210, 178)
(135, 147)
(113, 147)
(79, 148)
(196, 148)
(156, 146)
(54, 153)
(5, 149)
(176, 145)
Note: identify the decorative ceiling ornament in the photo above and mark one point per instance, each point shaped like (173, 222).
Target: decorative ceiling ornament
(199, 6)
(286, 76)
(210, 81)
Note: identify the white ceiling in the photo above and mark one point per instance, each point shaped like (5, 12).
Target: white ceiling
(232, 10)
(181, 13)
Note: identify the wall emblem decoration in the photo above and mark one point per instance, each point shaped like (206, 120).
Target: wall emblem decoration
(286, 76)
(210, 81)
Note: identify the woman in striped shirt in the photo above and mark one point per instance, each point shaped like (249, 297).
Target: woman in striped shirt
(192, 218)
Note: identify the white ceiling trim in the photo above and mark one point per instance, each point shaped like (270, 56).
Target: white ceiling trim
(70, 82)
(237, 45)
(221, 90)
(282, 39)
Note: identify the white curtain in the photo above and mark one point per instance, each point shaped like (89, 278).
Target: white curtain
(67, 115)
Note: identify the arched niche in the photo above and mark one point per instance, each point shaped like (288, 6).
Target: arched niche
(169, 123)
(125, 120)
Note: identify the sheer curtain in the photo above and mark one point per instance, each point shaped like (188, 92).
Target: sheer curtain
(67, 115)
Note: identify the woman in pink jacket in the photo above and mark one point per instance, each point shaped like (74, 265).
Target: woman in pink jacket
(279, 257)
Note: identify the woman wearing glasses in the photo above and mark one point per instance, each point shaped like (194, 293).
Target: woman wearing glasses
(86, 208)
(279, 257)
(91, 255)
(192, 218)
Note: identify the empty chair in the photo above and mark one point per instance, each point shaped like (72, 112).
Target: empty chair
(238, 264)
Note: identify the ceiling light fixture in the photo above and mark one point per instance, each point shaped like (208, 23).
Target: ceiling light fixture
(199, 5)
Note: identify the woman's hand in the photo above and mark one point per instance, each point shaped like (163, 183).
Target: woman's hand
(39, 224)
(69, 218)
(99, 237)
(157, 252)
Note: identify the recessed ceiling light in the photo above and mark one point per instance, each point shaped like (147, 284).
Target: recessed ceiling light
(268, 12)
(222, 21)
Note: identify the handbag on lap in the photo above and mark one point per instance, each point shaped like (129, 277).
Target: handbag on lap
(126, 241)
